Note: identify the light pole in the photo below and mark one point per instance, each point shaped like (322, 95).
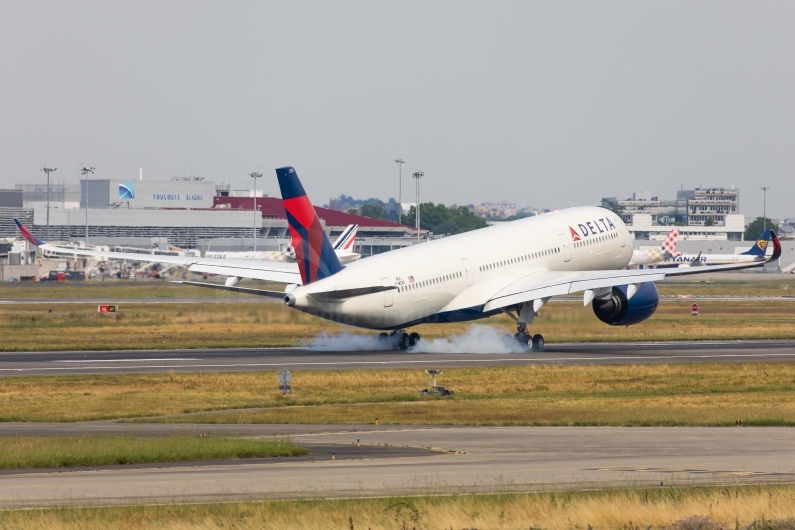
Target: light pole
(418, 175)
(255, 175)
(85, 171)
(764, 211)
(48, 171)
(400, 163)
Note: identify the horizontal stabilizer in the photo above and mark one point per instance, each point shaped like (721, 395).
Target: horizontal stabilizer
(246, 290)
(350, 293)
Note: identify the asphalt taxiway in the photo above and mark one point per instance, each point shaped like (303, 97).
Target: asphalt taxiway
(231, 360)
(443, 460)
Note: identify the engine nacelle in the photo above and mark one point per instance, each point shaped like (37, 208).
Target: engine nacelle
(616, 310)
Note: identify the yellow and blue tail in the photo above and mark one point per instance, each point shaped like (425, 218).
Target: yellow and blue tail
(762, 244)
(313, 251)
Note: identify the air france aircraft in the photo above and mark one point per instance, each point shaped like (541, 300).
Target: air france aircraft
(343, 247)
(512, 268)
(762, 251)
(651, 257)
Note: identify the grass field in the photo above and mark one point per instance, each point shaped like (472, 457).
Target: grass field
(41, 326)
(752, 508)
(677, 394)
(115, 289)
(88, 450)
(121, 289)
(692, 285)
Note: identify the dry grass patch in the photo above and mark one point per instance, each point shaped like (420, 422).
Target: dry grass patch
(91, 450)
(43, 327)
(766, 507)
(676, 394)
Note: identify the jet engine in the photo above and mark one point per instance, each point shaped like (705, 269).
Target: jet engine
(616, 310)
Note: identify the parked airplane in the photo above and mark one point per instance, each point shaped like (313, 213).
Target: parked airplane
(650, 257)
(762, 251)
(343, 247)
(512, 268)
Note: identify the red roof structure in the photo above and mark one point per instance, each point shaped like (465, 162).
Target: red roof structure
(273, 208)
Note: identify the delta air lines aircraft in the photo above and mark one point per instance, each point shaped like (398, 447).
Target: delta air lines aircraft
(512, 268)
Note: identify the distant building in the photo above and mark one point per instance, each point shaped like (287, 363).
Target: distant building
(711, 204)
(492, 210)
(61, 195)
(184, 211)
(700, 214)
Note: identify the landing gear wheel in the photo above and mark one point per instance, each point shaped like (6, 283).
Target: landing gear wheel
(403, 341)
(522, 336)
(538, 343)
(383, 337)
(414, 338)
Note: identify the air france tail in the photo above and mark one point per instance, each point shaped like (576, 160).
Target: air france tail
(313, 251)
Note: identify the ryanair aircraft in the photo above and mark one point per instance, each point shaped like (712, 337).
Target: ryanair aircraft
(762, 251)
(513, 268)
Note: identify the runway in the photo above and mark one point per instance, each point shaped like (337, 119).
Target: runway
(450, 460)
(235, 360)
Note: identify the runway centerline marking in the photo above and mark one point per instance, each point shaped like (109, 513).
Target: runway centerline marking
(120, 360)
(428, 361)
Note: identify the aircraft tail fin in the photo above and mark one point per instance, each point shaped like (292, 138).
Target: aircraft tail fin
(344, 242)
(761, 245)
(313, 251)
(669, 245)
(27, 234)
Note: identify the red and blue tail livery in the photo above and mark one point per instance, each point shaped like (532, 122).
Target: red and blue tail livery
(313, 251)
(33, 240)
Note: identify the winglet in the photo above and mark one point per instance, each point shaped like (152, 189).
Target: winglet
(776, 247)
(761, 244)
(33, 240)
(313, 251)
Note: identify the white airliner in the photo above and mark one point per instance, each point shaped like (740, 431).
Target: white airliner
(343, 247)
(761, 251)
(650, 257)
(512, 268)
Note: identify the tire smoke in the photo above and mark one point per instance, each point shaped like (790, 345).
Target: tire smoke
(476, 339)
(348, 342)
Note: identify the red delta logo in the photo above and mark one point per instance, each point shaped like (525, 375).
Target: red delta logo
(574, 235)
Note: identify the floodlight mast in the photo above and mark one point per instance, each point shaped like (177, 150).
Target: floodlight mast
(48, 171)
(418, 175)
(764, 207)
(400, 163)
(255, 175)
(85, 171)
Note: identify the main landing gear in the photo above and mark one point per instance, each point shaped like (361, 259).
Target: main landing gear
(399, 339)
(522, 336)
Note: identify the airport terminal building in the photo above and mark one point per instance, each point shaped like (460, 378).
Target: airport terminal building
(189, 213)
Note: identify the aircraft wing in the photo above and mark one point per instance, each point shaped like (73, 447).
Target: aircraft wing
(553, 283)
(275, 271)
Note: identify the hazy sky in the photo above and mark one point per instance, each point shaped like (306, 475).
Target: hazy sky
(548, 104)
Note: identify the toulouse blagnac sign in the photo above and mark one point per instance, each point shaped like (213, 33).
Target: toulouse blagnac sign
(127, 191)
(177, 197)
